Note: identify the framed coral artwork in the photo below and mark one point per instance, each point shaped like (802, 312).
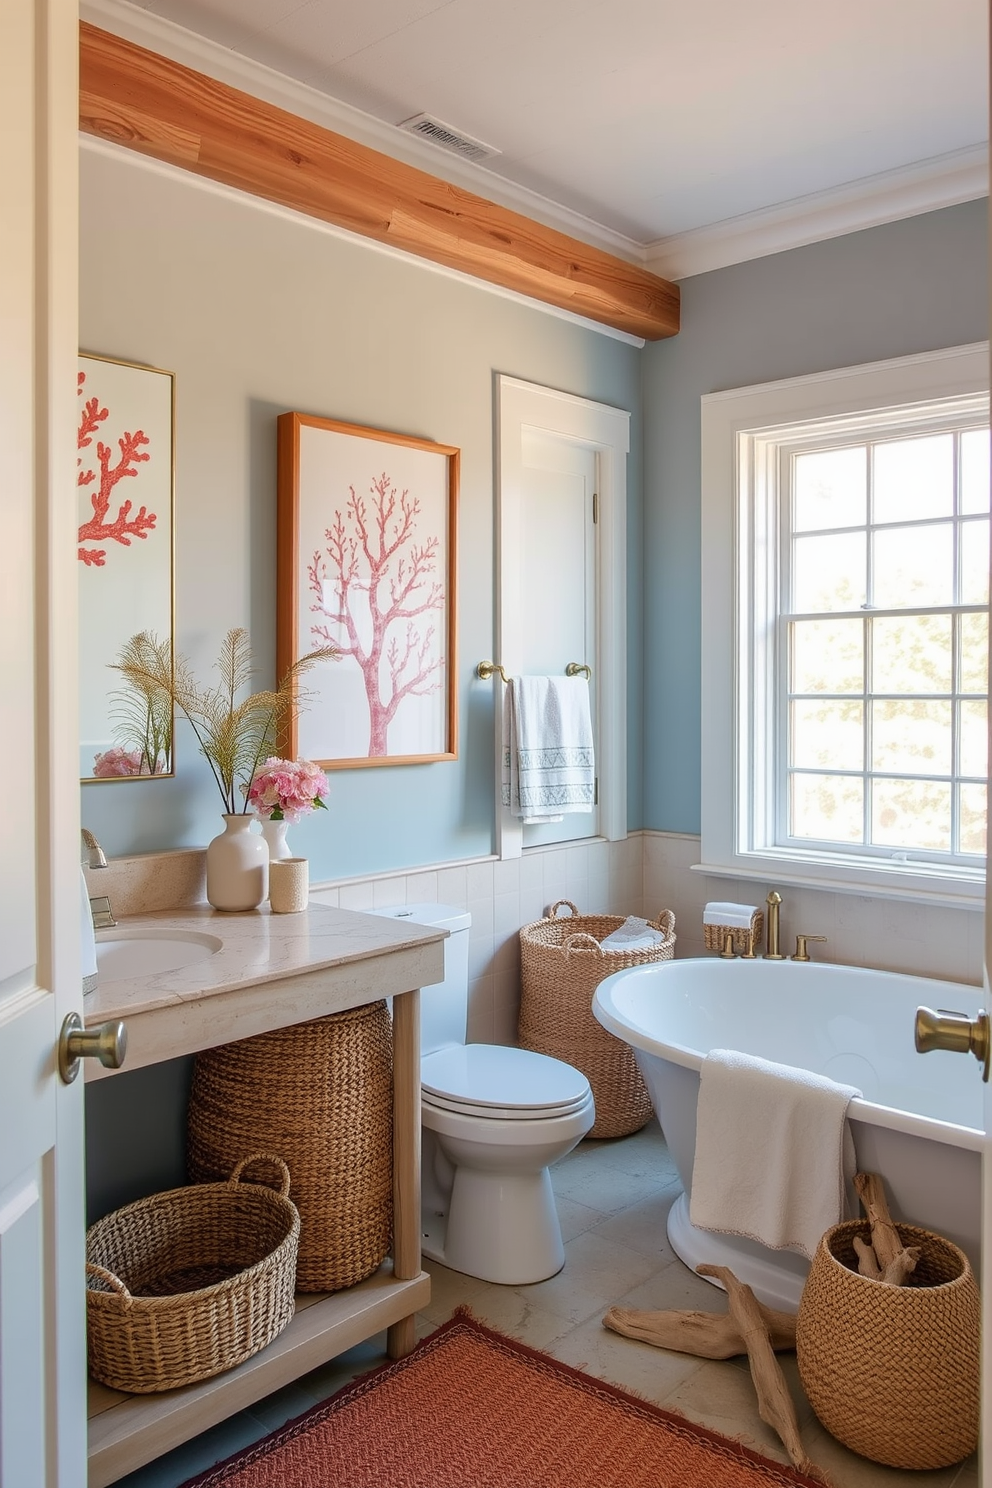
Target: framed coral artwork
(366, 564)
(125, 463)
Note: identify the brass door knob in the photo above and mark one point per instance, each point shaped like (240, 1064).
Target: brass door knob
(107, 1042)
(955, 1032)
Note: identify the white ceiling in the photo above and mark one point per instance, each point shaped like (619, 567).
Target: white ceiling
(654, 119)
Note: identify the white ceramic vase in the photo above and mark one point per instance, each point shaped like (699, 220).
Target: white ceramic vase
(237, 866)
(274, 833)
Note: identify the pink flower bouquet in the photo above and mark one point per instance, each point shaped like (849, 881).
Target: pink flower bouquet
(284, 790)
(117, 762)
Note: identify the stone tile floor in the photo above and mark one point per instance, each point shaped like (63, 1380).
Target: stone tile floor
(613, 1200)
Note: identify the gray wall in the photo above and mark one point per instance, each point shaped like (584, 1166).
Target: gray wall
(257, 313)
(907, 287)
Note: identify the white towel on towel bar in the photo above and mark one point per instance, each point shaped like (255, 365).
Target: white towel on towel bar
(774, 1151)
(548, 765)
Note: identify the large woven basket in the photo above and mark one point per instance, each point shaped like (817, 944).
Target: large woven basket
(185, 1284)
(562, 964)
(893, 1371)
(320, 1093)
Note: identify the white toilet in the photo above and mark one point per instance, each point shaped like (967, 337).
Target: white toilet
(494, 1118)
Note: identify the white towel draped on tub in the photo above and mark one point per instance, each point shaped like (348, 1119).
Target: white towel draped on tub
(548, 763)
(773, 1151)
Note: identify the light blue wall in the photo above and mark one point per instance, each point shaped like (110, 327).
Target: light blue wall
(258, 313)
(907, 287)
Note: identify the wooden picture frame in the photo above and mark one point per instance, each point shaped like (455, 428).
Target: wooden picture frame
(125, 494)
(366, 549)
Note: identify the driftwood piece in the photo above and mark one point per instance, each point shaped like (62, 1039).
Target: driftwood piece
(904, 1265)
(885, 1238)
(775, 1405)
(867, 1262)
(709, 1335)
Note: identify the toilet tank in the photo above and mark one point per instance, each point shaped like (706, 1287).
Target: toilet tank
(443, 1006)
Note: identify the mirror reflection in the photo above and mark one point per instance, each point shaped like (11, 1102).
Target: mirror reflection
(125, 492)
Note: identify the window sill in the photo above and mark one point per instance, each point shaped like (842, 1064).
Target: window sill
(951, 891)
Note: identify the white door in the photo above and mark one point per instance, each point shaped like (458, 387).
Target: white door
(42, 1340)
(561, 580)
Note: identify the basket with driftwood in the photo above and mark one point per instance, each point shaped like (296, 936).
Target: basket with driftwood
(891, 1366)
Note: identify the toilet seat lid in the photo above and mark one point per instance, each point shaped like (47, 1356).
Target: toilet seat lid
(491, 1079)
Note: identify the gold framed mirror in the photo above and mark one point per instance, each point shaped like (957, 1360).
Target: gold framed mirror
(126, 559)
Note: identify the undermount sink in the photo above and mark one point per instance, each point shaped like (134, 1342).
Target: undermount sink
(124, 953)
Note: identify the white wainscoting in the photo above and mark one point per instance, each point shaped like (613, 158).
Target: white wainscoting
(598, 877)
(861, 929)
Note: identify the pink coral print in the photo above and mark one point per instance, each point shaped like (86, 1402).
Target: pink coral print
(375, 588)
(284, 790)
(122, 528)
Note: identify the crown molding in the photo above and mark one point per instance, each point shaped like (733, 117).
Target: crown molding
(944, 181)
(908, 191)
(203, 55)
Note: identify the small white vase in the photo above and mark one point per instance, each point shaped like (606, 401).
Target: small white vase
(237, 866)
(274, 833)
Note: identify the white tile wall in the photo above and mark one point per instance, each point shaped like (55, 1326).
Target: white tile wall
(648, 872)
(503, 895)
(644, 874)
(861, 930)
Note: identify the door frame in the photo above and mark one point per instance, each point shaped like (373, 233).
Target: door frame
(606, 430)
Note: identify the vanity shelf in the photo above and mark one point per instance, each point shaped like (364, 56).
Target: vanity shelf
(274, 971)
(126, 1431)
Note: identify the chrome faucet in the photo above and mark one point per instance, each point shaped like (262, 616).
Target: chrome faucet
(93, 855)
(774, 903)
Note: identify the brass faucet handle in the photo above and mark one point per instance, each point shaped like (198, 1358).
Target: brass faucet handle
(728, 953)
(802, 954)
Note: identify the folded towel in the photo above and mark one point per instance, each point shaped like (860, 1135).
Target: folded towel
(737, 916)
(548, 761)
(773, 1151)
(634, 934)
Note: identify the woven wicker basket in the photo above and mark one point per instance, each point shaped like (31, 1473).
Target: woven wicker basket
(185, 1284)
(892, 1371)
(741, 939)
(321, 1093)
(562, 964)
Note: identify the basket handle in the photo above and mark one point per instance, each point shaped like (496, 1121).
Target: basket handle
(114, 1282)
(553, 911)
(582, 942)
(665, 922)
(268, 1157)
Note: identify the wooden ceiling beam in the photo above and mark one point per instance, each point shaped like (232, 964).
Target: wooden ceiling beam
(137, 98)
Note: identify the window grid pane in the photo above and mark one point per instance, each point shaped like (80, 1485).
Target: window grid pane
(917, 787)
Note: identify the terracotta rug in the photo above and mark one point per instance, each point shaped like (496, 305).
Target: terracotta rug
(469, 1408)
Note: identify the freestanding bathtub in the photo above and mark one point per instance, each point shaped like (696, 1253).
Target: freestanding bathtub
(919, 1122)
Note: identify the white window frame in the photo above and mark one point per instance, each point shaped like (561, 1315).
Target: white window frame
(741, 429)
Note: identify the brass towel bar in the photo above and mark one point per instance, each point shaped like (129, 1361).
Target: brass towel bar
(487, 669)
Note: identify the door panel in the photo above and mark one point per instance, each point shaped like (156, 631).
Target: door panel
(42, 1298)
(557, 561)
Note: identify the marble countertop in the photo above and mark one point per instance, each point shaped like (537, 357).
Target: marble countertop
(258, 947)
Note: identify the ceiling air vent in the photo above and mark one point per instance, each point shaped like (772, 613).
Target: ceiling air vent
(448, 139)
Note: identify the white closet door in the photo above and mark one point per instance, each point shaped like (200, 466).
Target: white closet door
(557, 562)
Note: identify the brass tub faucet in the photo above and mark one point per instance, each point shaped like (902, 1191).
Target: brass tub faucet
(774, 903)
